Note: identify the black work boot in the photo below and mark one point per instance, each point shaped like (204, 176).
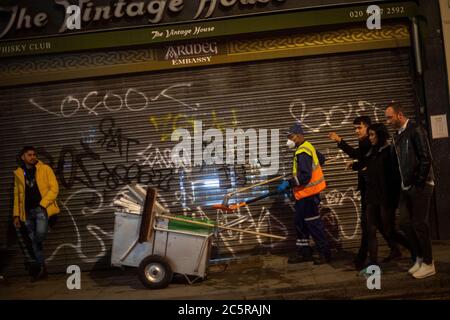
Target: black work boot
(299, 258)
(321, 260)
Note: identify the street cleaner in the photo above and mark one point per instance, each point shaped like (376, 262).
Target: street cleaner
(306, 184)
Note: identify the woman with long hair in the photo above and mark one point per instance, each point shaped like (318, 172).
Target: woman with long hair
(382, 196)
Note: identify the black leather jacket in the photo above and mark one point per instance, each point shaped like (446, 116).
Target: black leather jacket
(414, 156)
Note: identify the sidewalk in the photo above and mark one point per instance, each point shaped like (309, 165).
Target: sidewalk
(257, 277)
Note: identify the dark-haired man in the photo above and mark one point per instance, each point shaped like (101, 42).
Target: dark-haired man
(35, 193)
(360, 125)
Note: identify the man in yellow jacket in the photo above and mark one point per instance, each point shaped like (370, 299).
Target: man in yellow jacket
(35, 193)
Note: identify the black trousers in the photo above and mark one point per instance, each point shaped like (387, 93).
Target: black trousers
(414, 220)
(309, 223)
(382, 218)
(364, 245)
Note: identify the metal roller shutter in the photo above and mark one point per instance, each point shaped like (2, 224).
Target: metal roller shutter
(101, 135)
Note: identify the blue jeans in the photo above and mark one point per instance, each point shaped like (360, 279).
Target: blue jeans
(37, 226)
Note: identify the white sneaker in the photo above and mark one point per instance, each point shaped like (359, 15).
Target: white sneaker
(426, 270)
(416, 266)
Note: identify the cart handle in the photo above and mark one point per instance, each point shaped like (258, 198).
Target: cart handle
(254, 185)
(223, 227)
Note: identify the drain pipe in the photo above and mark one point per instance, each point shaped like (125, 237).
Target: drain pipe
(419, 90)
(416, 44)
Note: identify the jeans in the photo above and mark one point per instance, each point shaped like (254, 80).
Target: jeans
(414, 215)
(37, 226)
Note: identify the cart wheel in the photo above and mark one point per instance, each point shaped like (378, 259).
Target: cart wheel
(155, 272)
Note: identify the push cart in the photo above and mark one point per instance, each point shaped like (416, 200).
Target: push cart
(160, 245)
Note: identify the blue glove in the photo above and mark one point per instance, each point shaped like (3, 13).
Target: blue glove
(283, 186)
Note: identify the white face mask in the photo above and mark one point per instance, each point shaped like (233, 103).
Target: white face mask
(290, 144)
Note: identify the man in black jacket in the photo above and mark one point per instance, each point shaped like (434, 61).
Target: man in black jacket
(414, 160)
(360, 124)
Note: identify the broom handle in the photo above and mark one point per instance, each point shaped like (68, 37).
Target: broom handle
(272, 193)
(252, 186)
(222, 227)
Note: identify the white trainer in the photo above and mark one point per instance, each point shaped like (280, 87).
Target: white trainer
(426, 270)
(416, 266)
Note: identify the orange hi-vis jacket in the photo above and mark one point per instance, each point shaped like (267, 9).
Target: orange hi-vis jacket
(317, 183)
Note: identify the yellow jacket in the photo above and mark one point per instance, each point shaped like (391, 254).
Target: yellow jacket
(47, 185)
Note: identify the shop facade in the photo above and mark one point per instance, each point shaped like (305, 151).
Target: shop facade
(102, 105)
